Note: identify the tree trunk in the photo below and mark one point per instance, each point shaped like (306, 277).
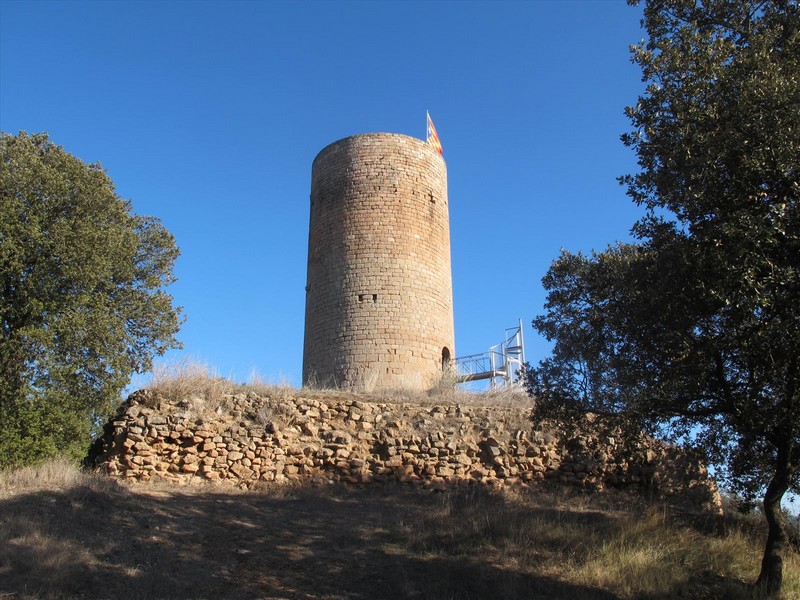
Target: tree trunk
(770, 579)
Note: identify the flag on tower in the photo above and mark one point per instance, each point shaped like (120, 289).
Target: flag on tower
(433, 137)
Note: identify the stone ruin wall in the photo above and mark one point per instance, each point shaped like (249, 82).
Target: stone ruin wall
(250, 439)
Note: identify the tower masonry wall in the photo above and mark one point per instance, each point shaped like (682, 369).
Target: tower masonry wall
(379, 302)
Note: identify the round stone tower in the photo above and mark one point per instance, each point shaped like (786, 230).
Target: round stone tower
(379, 299)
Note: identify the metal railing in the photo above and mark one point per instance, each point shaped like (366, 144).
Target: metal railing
(501, 363)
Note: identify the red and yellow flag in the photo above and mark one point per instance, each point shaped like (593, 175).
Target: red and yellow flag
(433, 137)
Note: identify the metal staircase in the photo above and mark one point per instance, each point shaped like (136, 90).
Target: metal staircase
(501, 364)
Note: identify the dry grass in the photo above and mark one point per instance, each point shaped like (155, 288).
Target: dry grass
(199, 384)
(204, 395)
(640, 560)
(67, 534)
(53, 474)
(190, 381)
(47, 564)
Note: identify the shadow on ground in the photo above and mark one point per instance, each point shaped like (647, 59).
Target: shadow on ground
(377, 543)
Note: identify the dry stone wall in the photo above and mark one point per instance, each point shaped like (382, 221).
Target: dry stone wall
(251, 438)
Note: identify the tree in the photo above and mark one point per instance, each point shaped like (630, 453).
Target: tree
(694, 330)
(82, 300)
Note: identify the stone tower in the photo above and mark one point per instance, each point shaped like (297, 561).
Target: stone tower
(379, 299)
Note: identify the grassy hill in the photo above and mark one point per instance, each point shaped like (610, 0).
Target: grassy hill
(68, 534)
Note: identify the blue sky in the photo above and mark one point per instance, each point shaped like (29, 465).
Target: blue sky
(209, 115)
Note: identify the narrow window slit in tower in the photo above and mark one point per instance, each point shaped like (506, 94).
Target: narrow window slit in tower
(374, 297)
(431, 198)
(361, 297)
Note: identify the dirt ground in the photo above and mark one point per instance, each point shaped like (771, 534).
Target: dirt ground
(112, 541)
(94, 538)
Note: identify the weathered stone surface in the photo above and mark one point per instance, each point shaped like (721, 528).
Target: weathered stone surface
(404, 446)
(379, 308)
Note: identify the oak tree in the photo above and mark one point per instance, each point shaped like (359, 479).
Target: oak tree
(694, 330)
(82, 298)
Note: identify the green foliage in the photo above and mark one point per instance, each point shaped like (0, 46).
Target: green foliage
(695, 330)
(81, 298)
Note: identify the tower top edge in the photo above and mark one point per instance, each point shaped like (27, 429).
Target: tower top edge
(397, 138)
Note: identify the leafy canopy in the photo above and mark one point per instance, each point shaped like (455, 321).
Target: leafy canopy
(82, 300)
(694, 330)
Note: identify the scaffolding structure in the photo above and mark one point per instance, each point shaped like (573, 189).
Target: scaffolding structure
(501, 364)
